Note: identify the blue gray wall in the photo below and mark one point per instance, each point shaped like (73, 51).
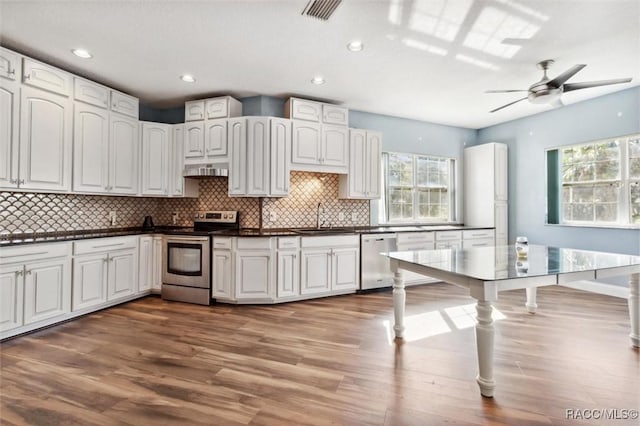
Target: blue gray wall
(611, 115)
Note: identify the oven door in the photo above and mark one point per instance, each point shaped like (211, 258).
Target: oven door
(185, 261)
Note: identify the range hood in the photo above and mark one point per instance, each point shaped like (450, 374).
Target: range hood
(205, 170)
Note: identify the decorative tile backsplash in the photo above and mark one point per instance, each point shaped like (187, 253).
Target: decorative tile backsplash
(35, 212)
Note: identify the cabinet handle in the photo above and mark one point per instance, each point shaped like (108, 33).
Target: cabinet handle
(21, 181)
(13, 181)
(19, 273)
(105, 259)
(26, 76)
(11, 72)
(28, 272)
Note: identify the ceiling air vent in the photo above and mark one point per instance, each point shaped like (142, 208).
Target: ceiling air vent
(321, 9)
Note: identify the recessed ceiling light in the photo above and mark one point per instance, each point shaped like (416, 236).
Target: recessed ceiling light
(188, 78)
(82, 53)
(317, 80)
(355, 46)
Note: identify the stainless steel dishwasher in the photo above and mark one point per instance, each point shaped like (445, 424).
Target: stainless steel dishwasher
(375, 270)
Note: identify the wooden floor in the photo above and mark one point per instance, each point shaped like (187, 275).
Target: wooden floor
(328, 361)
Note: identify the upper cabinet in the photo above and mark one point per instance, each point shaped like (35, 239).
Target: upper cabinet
(259, 163)
(320, 138)
(206, 129)
(46, 77)
(363, 179)
(124, 104)
(155, 158)
(9, 64)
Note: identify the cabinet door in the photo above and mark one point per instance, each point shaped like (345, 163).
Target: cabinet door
(47, 290)
(11, 296)
(221, 274)
(305, 143)
(155, 161)
(9, 122)
(217, 108)
(216, 139)
(194, 140)
(315, 271)
(123, 266)
(332, 114)
(45, 140)
(501, 214)
(257, 165)
(46, 77)
(280, 157)
(89, 281)
(357, 163)
(305, 110)
(335, 146)
(90, 148)
(124, 104)
(238, 156)
(253, 274)
(288, 271)
(145, 271)
(501, 172)
(9, 64)
(194, 111)
(345, 269)
(124, 147)
(90, 92)
(156, 276)
(372, 163)
(177, 160)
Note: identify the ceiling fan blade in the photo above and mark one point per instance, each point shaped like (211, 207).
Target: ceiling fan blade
(504, 106)
(505, 91)
(557, 103)
(559, 80)
(568, 87)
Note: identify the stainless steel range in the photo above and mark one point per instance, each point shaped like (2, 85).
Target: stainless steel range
(186, 257)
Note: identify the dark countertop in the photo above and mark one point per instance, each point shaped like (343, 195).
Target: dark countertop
(7, 240)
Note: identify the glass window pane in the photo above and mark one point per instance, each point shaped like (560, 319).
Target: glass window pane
(634, 168)
(607, 170)
(608, 151)
(400, 170)
(606, 193)
(635, 202)
(582, 194)
(582, 212)
(566, 194)
(607, 212)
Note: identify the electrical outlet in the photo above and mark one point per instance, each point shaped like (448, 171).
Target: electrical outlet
(112, 218)
(273, 216)
(174, 218)
(341, 217)
(354, 217)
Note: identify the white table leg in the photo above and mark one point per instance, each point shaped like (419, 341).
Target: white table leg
(484, 339)
(399, 298)
(634, 309)
(531, 304)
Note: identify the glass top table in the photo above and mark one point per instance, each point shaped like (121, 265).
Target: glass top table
(485, 271)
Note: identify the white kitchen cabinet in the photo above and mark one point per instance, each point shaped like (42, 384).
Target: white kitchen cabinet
(335, 146)
(259, 149)
(477, 238)
(319, 148)
(302, 109)
(415, 241)
(306, 140)
(46, 77)
(194, 111)
(221, 268)
(90, 92)
(105, 269)
(194, 140)
(254, 270)
(155, 158)
(35, 285)
(156, 273)
(448, 240)
(222, 107)
(9, 64)
(105, 151)
(486, 188)
(329, 264)
(216, 140)
(288, 268)
(363, 178)
(178, 185)
(9, 125)
(45, 141)
(145, 260)
(124, 104)
(332, 114)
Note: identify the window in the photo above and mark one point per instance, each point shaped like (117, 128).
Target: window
(596, 183)
(418, 188)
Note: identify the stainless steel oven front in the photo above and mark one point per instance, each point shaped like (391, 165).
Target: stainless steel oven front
(186, 269)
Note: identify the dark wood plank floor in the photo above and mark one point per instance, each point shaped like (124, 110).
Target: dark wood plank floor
(327, 361)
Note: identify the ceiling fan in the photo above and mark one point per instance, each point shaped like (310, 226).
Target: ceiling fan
(549, 90)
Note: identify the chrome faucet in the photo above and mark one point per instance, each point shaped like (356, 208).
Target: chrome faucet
(318, 223)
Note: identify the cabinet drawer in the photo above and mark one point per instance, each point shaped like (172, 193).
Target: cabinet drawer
(415, 237)
(98, 245)
(448, 235)
(90, 92)
(46, 77)
(194, 111)
(254, 243)
(478, 242)
(331, 241)
(31, 252)
(477, 233)
(305, 110)
(422, 245)
(9, 64)
(335, 115)
(222, 243)
(124, 104)
(288, 242)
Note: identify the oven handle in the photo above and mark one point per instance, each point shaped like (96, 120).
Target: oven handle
(188, 239)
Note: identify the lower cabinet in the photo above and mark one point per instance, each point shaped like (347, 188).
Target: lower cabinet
(315, 271)
(329, 264)
(288, 267)
(35, 286)
(156, 273)
(253, 274)
(221, 273)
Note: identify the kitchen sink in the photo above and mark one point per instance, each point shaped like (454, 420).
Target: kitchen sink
(323, 231)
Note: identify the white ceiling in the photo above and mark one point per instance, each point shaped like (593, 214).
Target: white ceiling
(423, 59)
